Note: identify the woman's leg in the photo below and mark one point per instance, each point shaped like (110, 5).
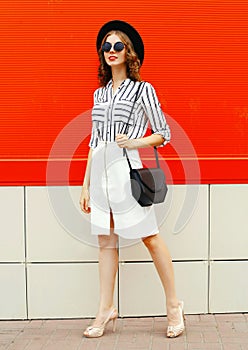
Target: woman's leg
(163, 263)
(108, 266)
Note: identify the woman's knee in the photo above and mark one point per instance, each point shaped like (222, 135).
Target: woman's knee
(108, 241)
(151, 242)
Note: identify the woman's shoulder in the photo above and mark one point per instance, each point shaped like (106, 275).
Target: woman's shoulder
(147, 84)
(147, 87)
(98, 93)
(99, 89)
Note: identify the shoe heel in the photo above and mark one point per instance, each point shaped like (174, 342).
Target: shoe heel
(182, 306)
(114, 324)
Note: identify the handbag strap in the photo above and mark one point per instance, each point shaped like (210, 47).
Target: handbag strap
(126, 128)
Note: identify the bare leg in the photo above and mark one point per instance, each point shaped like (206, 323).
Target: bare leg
(108, 266)
(163, 263)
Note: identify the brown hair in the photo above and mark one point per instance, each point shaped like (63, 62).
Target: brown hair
(132, 60)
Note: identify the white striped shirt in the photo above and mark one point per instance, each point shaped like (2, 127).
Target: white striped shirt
(111, 112)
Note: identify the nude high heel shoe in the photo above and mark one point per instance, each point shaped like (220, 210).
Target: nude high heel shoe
(95, 332)
(175, 331)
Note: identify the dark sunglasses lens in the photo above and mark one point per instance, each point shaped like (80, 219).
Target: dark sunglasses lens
(106, 47)
(119, 46)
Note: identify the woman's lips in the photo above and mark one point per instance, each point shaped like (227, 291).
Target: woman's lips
(112, 58)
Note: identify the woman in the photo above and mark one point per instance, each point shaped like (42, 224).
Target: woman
(114, 212)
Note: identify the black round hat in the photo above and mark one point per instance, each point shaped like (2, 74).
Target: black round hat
(126, 28)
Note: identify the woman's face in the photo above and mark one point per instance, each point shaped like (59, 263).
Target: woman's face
(115, 58)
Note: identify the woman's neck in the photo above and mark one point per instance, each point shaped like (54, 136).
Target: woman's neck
(118, 75)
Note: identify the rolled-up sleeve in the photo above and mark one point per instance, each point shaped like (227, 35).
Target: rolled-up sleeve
(154, 113)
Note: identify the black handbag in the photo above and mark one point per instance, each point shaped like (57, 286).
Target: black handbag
(147, 184)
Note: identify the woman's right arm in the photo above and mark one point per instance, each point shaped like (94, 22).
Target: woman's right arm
(85, 196)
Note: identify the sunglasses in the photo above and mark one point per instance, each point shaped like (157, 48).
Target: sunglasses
(119, 46)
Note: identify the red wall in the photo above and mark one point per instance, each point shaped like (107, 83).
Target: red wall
(196, 56)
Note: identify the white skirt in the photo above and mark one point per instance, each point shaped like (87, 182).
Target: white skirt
(110, 191)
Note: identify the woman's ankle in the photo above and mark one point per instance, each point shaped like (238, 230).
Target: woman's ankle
(105, 308)
(172, 304)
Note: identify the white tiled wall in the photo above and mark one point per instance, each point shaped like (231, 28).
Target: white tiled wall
(228, 286)
(63, 290)
(13, 291)
(141, 292)
(191, 242)
(229, 222)
(12, 254)
(46, 247)
(12, 224)
(56, 229)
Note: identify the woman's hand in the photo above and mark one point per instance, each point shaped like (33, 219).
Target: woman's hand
(124, 142)
(84, 200)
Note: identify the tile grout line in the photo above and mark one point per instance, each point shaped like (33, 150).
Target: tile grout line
(25, 246)
(209, 245)
(152, 332)
(118, 280)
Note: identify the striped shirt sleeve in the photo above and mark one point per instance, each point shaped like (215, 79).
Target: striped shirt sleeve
(152, 108)
(94, 134)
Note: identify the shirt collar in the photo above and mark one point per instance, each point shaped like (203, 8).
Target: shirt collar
(110, 83)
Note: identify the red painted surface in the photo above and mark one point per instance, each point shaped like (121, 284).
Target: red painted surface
(196, 56)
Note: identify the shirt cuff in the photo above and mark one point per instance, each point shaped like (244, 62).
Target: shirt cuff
(166, 136)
